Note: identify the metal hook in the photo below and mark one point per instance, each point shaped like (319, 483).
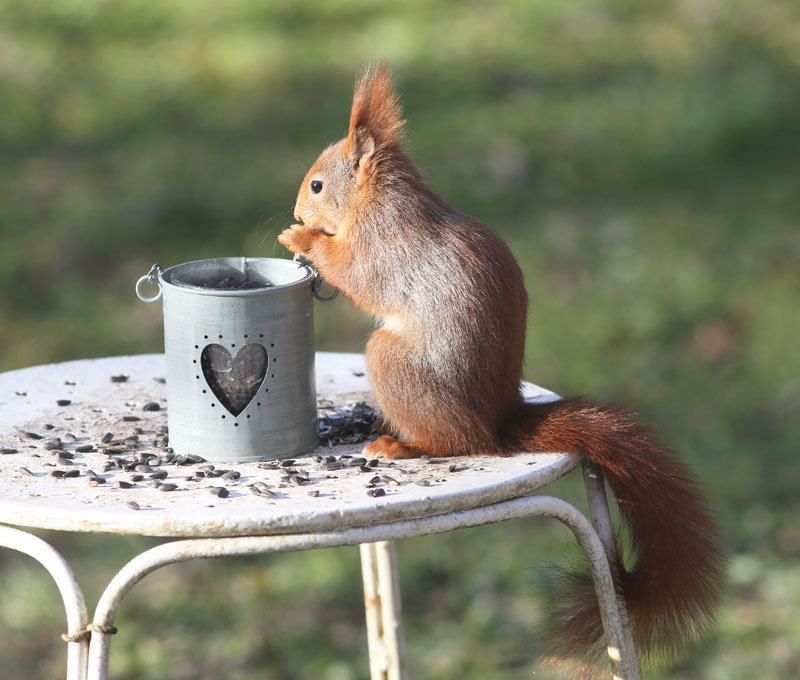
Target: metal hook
(318, 280)
(152, 277)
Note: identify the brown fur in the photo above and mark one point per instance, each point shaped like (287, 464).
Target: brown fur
(446, 366)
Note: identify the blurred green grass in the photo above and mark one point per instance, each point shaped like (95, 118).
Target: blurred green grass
(640, 157)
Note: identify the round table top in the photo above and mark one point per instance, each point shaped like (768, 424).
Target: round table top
(34, 410)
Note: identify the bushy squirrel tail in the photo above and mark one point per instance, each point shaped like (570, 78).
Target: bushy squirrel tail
(675, 578)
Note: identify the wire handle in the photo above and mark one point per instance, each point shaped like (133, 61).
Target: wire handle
(318, 280)
(152, 277)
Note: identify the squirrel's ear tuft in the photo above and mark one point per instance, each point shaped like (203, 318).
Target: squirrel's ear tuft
(376, 111)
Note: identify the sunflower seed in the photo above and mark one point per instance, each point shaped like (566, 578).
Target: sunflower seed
(133, 505)
(219, 491)
(84, 448)
(63, 402)
(376, 492)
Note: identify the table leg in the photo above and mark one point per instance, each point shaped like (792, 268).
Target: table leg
(382, 606)
(601, 521)
(77, 636)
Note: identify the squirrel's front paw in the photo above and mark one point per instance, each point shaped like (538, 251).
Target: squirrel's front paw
(298, 238)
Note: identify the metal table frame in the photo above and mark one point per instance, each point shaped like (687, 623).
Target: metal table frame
(88, 643)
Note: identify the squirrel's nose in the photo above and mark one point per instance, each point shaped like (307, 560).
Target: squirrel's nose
(297, 215)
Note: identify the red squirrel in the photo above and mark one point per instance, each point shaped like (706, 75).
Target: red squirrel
(446, 365)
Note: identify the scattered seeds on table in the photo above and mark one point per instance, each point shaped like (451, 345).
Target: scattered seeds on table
(72, 473)
(49, 426)
(131, 419)
(219, 491)
(119, 378)
(84, 448)
(7, 452)
(260, 489)
(107, 437)
(151, 406)
(32, 435)
(122, 484)
(52, 444)
(313, 493)
(423, 482)
(287, 463)
(133, 505)
(137, 478)
(63, 402)
(57, 473)
(160, 474)
(167, 487)
(376, 492)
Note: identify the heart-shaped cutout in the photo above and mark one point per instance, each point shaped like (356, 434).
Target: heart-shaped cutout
(234, 380)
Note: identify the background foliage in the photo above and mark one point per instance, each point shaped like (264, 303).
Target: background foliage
(641, 159)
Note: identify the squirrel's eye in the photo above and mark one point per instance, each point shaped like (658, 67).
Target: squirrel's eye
(316, 186)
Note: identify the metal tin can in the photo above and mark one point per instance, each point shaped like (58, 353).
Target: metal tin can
(239, 346)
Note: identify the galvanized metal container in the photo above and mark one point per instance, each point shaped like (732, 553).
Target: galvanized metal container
(239, 345)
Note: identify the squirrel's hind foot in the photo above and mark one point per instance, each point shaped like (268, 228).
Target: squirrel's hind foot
(394, 449)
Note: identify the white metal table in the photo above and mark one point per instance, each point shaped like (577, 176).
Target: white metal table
(62, 426)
